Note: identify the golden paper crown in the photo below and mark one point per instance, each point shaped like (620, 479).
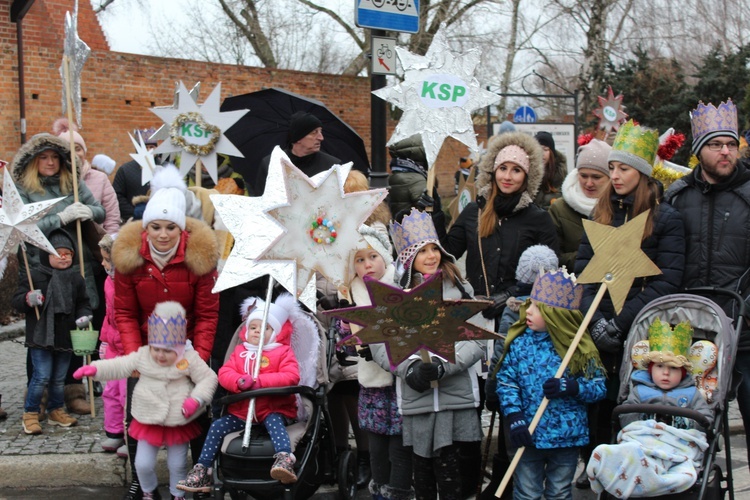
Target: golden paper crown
(415, 231)
(558, 289)
(668, 345)
(709, 121)
(635, 146)
(167, 325)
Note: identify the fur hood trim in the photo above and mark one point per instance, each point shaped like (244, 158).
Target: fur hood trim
(536, 165)
(34, 146)
(574, 196)
(201, 250)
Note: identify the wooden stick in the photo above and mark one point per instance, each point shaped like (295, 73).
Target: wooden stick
(430, 184)
(28, 275)
(198, 173)
(560, 372)
(486, 454)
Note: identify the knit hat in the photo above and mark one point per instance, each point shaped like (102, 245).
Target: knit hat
(278, 312)
(167, 327)
(505, 127)
(708, 121)
(59, 238)
(513, 154)
(61, 128)
(167, 200)
(594, 155)
(533, 260)
(558, 289)
(103, 163)
(301, 124)
(667, 345)
(375, 238)
(635, 146)
(545, 139)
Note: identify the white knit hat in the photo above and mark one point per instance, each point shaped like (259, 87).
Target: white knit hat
(534, 259)
(278, 312)
(375, 237)
(167, 200)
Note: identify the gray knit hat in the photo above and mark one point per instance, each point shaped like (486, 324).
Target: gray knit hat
(594, 155)
(534, 259)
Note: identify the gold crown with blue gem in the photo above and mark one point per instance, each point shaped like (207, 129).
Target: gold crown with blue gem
(167, 326)
(709, 121)
(415, 231)
(558, 289)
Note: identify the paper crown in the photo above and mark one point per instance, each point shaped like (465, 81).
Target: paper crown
(167, 325)
(668, 345)
(558, 289)
(708, 121)
(415, 231)
(635, 146)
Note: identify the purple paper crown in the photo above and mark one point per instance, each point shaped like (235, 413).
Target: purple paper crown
(709, 121)
(169, 332)
(558, 289)
(415, 231)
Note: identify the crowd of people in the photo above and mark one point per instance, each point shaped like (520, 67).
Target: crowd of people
(151, 256)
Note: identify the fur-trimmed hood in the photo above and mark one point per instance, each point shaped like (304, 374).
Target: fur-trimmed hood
(34, 146)
(536, 165)
(201, 250)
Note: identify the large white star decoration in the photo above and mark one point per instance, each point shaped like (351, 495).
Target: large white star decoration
(162, 133)
(610, 111)
(197, 132)
(76, 52)
(144, 158)
(438, 95)
(18, 220)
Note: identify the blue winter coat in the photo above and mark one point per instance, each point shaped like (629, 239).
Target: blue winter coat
(530, 361)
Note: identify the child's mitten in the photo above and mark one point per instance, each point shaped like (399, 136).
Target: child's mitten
(84, 371)
(432, 371)
(35, 298)
(415, 378)
(560, 387)
(245, 383)
(189, 407)
(519, 430)
(83, 322)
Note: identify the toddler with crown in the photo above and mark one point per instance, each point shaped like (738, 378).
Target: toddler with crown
(534, 349)
(656, 455)
(173, 388)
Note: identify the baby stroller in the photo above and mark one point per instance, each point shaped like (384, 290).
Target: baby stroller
(709, 322)
(245, 472)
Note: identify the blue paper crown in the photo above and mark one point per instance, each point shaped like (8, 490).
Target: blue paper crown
(169, 332)
(709, 121)
(415, 231)
(558, 289)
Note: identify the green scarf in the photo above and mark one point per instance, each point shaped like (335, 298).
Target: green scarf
(562, 325)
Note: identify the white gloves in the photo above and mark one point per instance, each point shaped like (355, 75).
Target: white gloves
(75, 211)
(83, 322)
(35, 298)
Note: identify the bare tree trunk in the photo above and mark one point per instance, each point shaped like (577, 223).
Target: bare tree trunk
(509, 58)
(253, 31)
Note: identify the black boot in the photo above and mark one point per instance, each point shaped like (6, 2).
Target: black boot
(363, 469)
(134, 491)
(500, 464)
(469, 464)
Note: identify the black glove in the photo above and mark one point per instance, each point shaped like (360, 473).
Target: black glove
(344, 359)
(432, 371)
(365, 353)
(606, 335)
(426, 201)
(560, 387)
(415, 378)
(498, 304)
(492, 401)
(519, 430)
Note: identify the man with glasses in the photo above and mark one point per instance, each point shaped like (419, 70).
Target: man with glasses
(714, 201)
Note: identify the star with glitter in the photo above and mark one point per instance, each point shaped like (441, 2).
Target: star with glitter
(438, 95)
(618, 259)
(76, 52)
(407, 321)
(610, 111)
(18, 220)
(144, 158)
(197, 132)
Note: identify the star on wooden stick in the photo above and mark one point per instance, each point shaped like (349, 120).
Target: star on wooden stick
(407, 321)
(77, 52)
(610, 111)
(618, 258)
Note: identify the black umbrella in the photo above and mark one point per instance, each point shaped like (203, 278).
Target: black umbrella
(266, 125)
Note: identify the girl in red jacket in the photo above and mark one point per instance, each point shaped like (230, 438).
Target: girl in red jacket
(278, 368)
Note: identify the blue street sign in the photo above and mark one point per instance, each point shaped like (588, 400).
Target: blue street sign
(390, 15)
(524, 114)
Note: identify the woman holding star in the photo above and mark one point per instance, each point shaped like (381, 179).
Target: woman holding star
(632, 191)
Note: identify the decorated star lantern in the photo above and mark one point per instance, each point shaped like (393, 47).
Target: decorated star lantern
(610, 111)
(75, 52)
(438, 95)
(197, 132)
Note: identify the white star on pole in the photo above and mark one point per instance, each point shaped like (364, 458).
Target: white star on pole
(210, 113)
(18, 220)
(438, 95)
(144, 158)
(77, 52)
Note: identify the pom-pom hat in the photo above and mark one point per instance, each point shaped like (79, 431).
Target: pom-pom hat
(167, 200)
(278, 312)
(635, 146)
(167, 327)
(709, 121)
(558, 289)
(513, 154)
(533, 260)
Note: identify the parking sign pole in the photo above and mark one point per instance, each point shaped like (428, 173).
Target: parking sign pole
(379, 173)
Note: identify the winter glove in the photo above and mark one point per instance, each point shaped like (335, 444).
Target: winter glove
(606, 335)
(560, 387)
(432, 371)
(492, 401)
(365, 353)
(189, 407)
(35, 298)
(415, 378)
(83, 322)
(344, 359)
(84, 371)
(498, 305)
(426, 201)
(245, 383)
(519, 430)
(75, 211)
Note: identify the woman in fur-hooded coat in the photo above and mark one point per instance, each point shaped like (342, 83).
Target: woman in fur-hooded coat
(513, 222)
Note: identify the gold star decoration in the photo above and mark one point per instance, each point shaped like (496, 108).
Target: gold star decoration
(618, 258)
(610, 111)
(407, 321)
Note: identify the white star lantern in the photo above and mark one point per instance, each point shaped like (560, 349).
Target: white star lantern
(144, 158)
(18, 220)
(438, 95)
(197, 132)
(300, 225)
(76, 51)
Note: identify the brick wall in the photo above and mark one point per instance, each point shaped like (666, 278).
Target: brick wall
(118, 89)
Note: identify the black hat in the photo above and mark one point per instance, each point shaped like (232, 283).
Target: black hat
(301, 124)
(545, 139)
(59, 238)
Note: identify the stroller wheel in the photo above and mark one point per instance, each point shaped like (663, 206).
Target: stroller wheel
(347, 475)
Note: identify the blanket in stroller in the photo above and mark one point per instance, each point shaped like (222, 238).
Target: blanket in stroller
(650, 459)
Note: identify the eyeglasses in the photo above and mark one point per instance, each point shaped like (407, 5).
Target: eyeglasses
(718, 146)
(65, 255)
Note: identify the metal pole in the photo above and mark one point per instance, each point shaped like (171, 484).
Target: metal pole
(378, 172)
(21, 86)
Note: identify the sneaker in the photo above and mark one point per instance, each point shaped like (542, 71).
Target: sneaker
(31, 423)
(283, 468)
(60, 417)
(112, 444)
(153, 495)
(122, 451)
(197, 480)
